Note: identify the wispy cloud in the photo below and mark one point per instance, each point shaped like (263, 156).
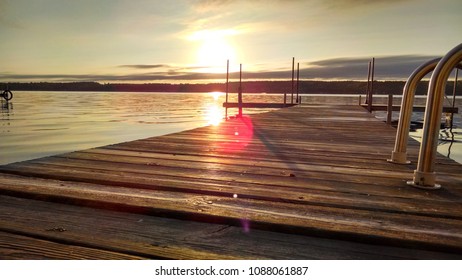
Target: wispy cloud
(387, 68)
(143, 66)
(342, 4)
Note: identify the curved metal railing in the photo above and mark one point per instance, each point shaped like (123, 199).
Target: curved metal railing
(424, 175)
(399, 154)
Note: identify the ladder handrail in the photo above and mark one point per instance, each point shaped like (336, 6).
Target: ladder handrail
(399, 154)
(424, 175)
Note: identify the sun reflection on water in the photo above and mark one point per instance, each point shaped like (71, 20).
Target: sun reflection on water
(214, 115)
(216, 95)
(215, 112)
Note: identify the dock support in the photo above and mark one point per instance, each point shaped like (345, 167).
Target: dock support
(370, 84)
(239, 93)
(292, 92)
(227, 87)
(298, 101)
(389, 108)
(424, 175)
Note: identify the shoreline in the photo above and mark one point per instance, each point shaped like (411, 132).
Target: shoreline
(284, 86)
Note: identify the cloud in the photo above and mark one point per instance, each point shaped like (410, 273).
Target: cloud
(388, 67)
(143, 66)
(348, 4)
(206, 5)
(354, 68)
(142, 77)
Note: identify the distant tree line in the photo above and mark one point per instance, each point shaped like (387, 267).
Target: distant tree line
(331, 87)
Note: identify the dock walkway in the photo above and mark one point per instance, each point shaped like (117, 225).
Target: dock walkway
(307, 182)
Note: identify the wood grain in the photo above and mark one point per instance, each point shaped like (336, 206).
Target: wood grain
(303, 174)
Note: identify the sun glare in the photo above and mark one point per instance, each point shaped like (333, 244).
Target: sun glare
(214, 48)
(214, 115)
(216, 95)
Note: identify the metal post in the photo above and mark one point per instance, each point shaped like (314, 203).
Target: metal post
(292, 94)
(298, 81)
(368, 89)
(424, 175)
(451, 125)
(454, 92)
(389, 108)
(239, 94)
(399, 154)
(227, 83)
(372, 85)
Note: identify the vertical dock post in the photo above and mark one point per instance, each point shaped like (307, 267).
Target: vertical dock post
(239, 93)
(424, 175)
(227, 88)
(292, 92)
(371, 88)
(389, 108)
(368, 89)
(454, 97)
(298, 100)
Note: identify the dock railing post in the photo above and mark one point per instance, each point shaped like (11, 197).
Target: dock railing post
(399, 154)
(227, 88)
(389, 108)
(239, 93)
(368, 89)
(424, 175)
(371, 88)
(292, 92)
(298, 101)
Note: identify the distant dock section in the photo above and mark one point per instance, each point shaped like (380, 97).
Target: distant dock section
(397, 108)
(256, 105)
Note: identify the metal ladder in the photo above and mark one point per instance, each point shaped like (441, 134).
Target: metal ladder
(424, 175)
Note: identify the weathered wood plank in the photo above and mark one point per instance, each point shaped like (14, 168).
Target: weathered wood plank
(167, 238)
(19, 247)
(280, 216)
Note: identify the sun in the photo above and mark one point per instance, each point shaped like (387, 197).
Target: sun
(215, 51)
(215, 47)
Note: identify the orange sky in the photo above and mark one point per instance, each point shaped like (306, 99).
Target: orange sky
(176, 41)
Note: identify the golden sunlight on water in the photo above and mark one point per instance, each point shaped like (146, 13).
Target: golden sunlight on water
(214, 115)
(38, 124)
(216, 95)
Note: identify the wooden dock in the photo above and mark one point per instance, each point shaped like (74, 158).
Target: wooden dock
(397, 108)
(308, 182)
(257, 105)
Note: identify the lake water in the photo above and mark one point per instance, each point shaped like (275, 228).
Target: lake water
(38, 124)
